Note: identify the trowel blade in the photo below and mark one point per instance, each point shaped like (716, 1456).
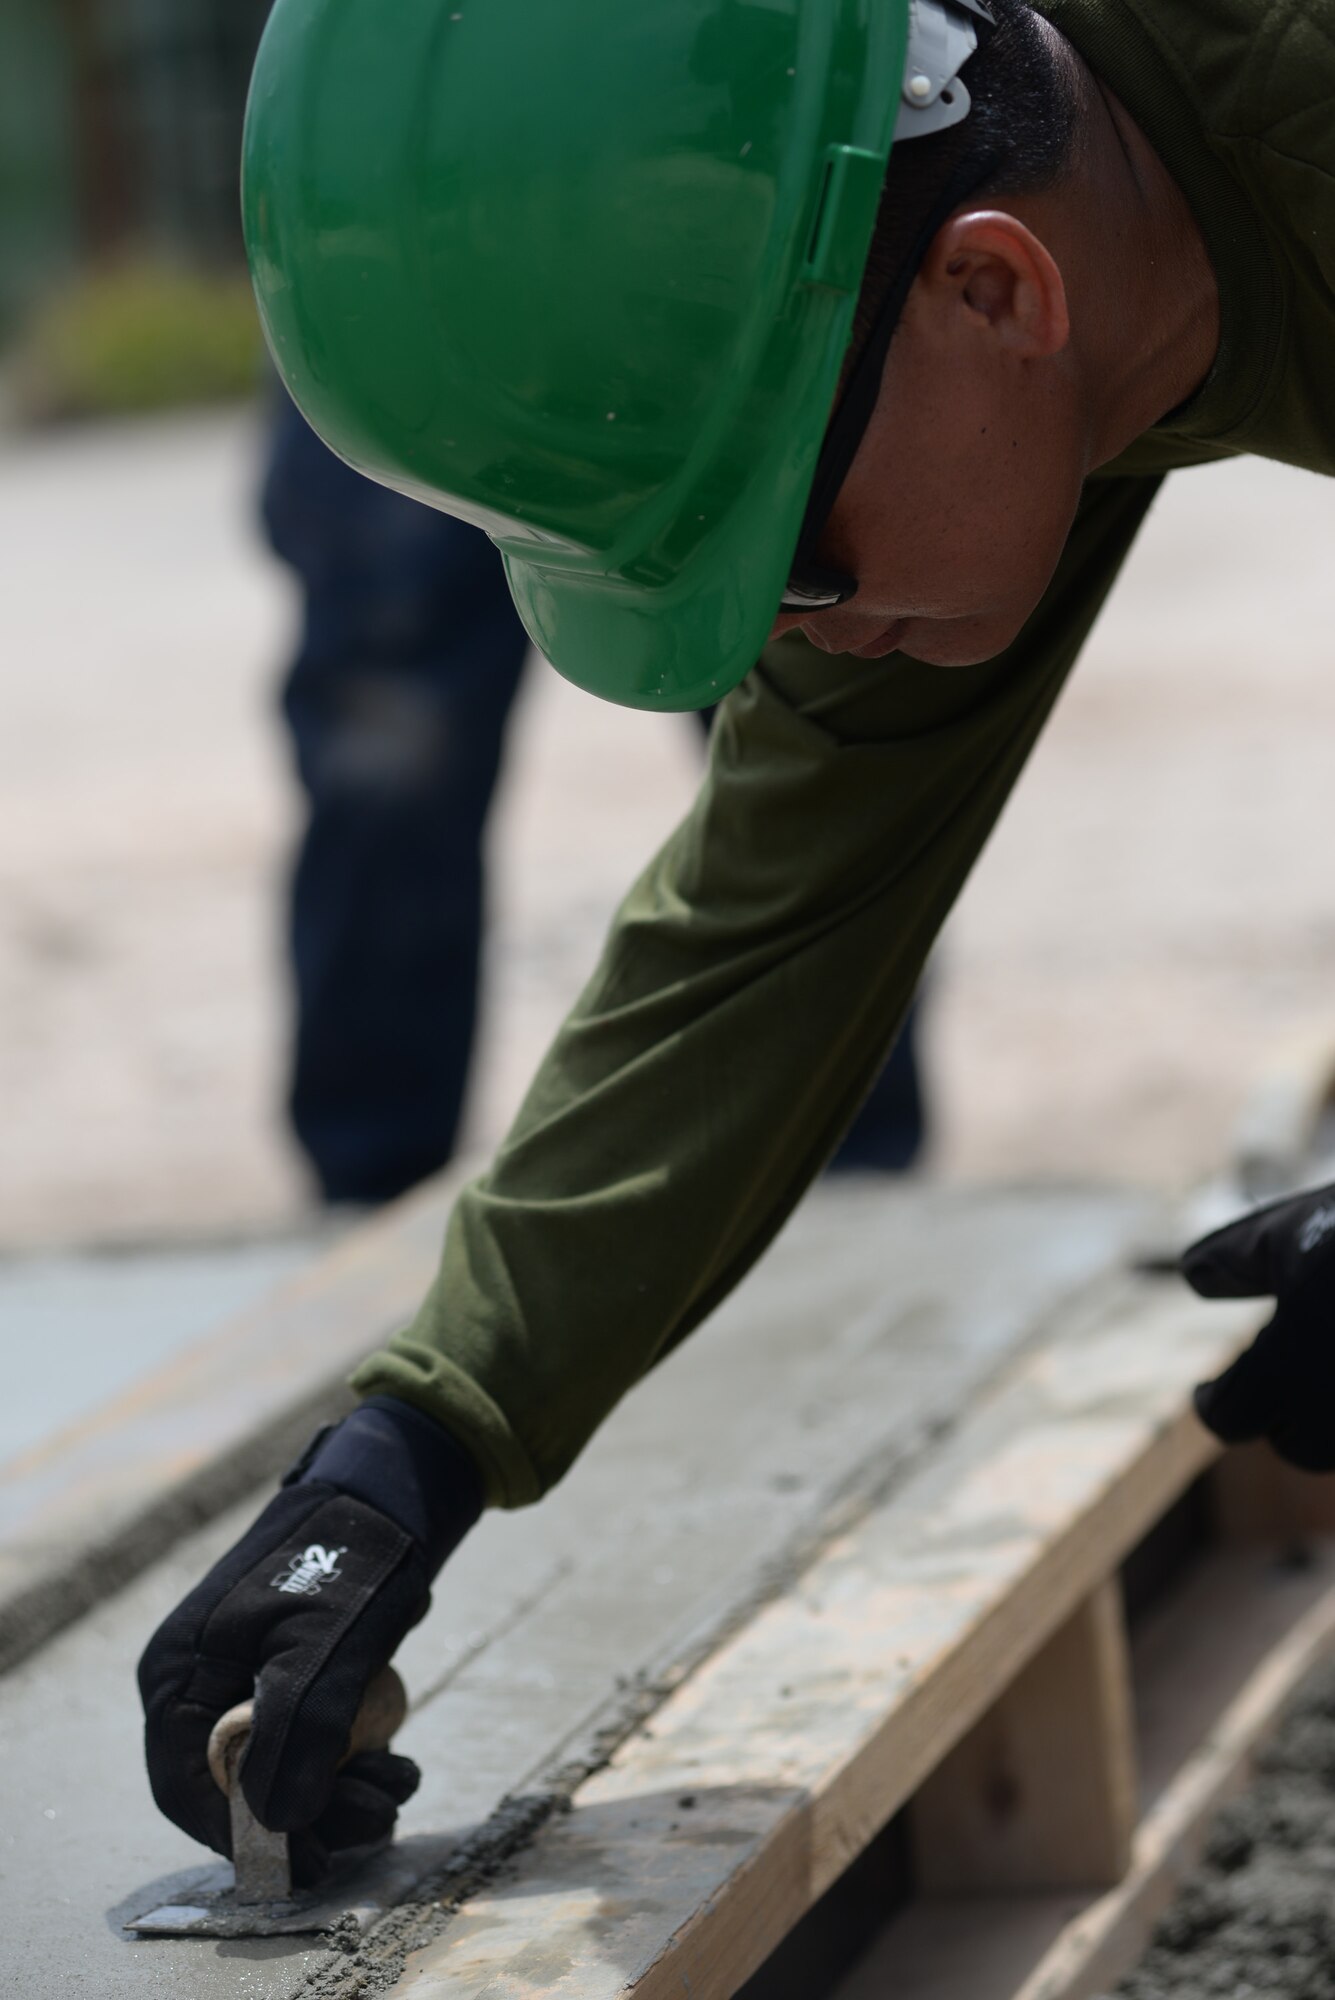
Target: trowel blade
(366, 1886)
(227, 1918)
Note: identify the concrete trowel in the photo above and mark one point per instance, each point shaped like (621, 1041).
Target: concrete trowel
(255, 1898)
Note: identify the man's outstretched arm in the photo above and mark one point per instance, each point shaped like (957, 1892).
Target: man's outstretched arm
(745, 1000)
(746, 997)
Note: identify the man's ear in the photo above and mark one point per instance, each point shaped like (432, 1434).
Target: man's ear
(986, 262)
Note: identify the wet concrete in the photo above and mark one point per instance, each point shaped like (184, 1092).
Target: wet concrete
(1257, 1920)
(91, 1324)
(856, 1341)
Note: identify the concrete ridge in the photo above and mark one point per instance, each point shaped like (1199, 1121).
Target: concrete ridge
(89, 1508)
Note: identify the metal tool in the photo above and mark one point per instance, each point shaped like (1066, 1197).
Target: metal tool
(260, 1900)
(261, 1858)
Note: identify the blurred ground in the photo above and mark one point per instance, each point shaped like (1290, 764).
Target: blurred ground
(93, 1323)
(1153, 915)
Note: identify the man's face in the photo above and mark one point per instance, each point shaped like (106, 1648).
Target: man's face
(962, 494)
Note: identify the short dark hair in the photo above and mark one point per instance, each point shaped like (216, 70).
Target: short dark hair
(1019, 138)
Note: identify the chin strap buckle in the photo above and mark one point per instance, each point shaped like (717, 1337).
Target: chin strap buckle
(942, 37)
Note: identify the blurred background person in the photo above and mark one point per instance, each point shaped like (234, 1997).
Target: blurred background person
(409, 659)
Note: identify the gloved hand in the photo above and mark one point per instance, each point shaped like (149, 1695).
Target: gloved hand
(1283, 1386)
(303, 1611)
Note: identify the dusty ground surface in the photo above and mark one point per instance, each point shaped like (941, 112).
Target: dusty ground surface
(1258, 1922)
(1153, 915)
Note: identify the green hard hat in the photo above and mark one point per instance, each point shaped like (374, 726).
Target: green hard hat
(583, 272)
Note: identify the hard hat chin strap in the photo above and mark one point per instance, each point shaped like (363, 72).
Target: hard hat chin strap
(942, 38)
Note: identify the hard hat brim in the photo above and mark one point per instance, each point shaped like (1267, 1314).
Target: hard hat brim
(686, 642)
(613, 341)
(683, 646)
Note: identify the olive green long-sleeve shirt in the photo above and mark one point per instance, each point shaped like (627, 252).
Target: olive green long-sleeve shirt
(757, 971)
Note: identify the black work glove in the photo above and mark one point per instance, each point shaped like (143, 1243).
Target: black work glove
(302, 1613)
(1283, 1386)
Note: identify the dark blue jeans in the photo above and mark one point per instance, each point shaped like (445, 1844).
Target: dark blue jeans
(410, 658)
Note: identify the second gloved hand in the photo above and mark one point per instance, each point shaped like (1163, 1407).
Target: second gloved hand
(312, 1601)
(1282, 1387)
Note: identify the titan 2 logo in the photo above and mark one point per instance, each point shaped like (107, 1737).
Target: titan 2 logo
(307, 1572)
(1317, 1227)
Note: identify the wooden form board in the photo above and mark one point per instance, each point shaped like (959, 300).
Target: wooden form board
(684, 1863)
(1097, 1947)
(1042, 1792)
(1213, 1671)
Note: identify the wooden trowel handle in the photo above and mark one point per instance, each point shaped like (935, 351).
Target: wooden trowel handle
(381, 1714)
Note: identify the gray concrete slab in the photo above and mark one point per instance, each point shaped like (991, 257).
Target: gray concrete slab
(867, 1326)
(89, 1324)
(99, 1500)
